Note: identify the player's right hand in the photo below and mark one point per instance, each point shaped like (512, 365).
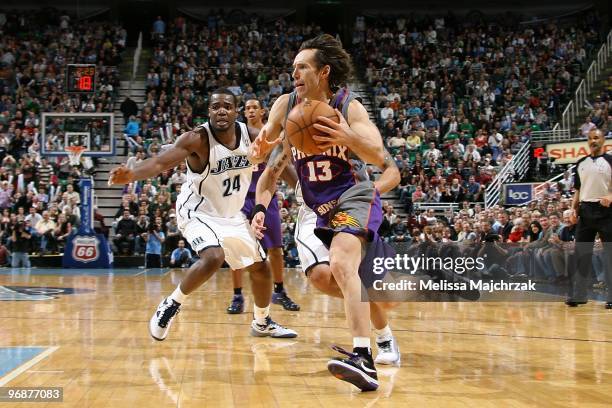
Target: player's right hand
(261, 147)
(574, 217)
(606, 200)
(257, 223)
(120, 175)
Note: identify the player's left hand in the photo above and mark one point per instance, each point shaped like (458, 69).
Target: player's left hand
(334, 133)
(606, 200)
(120, 175)
(261, 147)
(257, 223)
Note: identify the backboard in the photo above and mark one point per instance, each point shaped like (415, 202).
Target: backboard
(91, 130)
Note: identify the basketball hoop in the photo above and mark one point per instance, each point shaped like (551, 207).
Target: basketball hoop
(74, 154)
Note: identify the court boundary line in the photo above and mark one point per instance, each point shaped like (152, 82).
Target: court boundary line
(27, 365)
(344, 328)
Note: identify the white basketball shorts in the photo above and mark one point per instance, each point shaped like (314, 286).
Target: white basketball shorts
(233, 234)
(310, 248)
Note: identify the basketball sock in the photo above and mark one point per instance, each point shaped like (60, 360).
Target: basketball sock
(384, 334)
(361, 346)
(261, 313)
(237, 291)
(363, 352)
(278, 287)
(178, 295)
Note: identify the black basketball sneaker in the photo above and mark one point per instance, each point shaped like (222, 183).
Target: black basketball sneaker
(357, 369)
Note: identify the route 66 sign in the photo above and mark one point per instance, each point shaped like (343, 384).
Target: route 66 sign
(85, 249)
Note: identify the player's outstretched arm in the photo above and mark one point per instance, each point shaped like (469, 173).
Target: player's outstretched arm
(169, 158)
(270, 135)
(361, 135)
(390, 177)
(266, 185)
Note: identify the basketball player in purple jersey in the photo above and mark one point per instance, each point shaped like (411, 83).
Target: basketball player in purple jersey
(272, 240)
(348, 212)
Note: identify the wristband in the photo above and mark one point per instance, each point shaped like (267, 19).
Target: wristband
(257, 209)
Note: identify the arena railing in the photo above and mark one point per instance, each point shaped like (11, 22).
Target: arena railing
(437, 207)
(562, 130)
(514, 170)
(583, 91)
(555, 135)
(540, 189)
(137, 54)
(443, 207)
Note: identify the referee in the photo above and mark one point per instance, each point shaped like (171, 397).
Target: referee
(591, 205)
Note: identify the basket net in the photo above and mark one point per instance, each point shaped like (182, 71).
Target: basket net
(74, 154)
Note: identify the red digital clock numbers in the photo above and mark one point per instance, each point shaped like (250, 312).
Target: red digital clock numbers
(85, 83)
(81, 78)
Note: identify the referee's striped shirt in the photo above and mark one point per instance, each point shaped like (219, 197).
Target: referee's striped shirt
(593, 176)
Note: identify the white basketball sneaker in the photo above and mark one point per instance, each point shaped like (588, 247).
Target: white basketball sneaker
(163, 317)
(271, 329)
(388, 353)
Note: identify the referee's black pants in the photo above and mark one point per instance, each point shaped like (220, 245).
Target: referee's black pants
(594, 218)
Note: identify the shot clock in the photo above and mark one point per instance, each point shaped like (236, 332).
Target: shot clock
(81, 78)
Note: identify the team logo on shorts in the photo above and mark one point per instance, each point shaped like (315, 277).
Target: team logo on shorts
(85, 249)
(342, 219)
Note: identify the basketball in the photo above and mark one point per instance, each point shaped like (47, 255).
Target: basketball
(300, 124)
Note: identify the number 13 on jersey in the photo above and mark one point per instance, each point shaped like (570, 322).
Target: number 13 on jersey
(319, 171)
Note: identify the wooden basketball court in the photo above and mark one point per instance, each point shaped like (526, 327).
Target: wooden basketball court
(95, 344)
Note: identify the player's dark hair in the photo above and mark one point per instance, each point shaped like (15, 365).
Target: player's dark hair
(254, 99)
(329, 51)
(225, 91)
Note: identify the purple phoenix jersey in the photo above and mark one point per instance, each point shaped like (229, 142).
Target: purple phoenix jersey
(272, 234)
(325, 177)
(337, 188)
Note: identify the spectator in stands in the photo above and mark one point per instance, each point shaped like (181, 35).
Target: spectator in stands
(399, 231)
(6, 193)
(134, 160)
(20, 240)
(142, 227)
(5, 255)
(587, 126)
(45, 229)
(159, 28)
(173, 234)
(33, 217)
(128, 108)
(386, 113)
(73, 196)
(154, 237)
(132, 127)
(99, 224)
(503, 226)
(566, 184)
(562, 247)
(125, 233)
(62, 232)
(181, 257)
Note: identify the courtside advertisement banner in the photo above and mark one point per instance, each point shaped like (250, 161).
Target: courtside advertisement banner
(570, 153)
(518, 193)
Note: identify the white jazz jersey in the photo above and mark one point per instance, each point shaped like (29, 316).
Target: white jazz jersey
(208, 208)
(220, 190)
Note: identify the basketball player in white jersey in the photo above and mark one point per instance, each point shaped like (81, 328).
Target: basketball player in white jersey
(208, 211)
(272, 240)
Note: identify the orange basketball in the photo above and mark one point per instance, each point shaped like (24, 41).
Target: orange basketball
(299, 128)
